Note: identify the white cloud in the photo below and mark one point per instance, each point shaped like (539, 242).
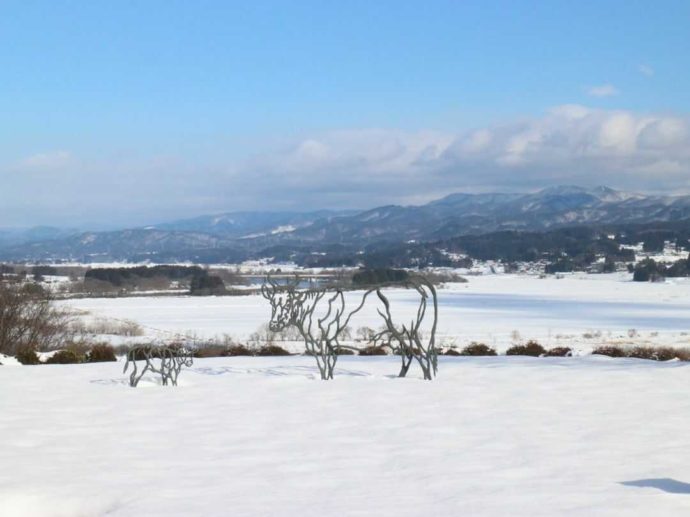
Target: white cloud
(570, 143)
(376, 151)
(604, 90)
(645, 70)
(46, 161)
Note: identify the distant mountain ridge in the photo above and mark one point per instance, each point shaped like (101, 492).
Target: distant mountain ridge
(237, 235)
(249, 224)
(18, 236)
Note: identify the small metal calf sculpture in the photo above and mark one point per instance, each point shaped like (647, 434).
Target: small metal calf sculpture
(172, 359)
(321, 335)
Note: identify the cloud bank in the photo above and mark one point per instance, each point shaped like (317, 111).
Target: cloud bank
(358, 168)
(569, 143)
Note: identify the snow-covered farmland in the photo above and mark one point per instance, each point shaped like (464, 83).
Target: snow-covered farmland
(577, 310)
(261, 436)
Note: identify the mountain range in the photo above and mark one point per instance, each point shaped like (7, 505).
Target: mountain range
(237, 236)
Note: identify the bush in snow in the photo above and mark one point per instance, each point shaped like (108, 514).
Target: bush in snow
(452, 352)
(65, 357)
(609, 350)
(271, 350)
(373, 350)
(658, 354)
(531, 348)
(477, 349)
(210, 350)
(559, 351)
(237, 350)
(101, 353)
(205, 284)
(27, 355)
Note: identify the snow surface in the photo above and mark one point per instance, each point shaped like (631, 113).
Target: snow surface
(261, 436)
(579, 310)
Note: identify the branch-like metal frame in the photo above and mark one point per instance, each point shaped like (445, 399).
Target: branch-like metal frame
(293, 307)
(407, 340)
(171, 361)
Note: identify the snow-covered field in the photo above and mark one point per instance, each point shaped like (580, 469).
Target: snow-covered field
(261, 436)
(578, 310)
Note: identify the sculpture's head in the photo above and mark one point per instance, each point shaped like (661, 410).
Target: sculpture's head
(186, 357)
(282, 300)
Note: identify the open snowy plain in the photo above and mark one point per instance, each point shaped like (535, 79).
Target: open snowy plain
(580, 311)
(491, 436)
(262, 436)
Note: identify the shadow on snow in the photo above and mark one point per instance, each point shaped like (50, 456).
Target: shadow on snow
(668, 485)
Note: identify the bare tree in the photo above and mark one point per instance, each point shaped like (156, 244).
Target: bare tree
(170, 362)
(28, 319)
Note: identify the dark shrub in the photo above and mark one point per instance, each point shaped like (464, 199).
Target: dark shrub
(609, 265)
(133, 275)
(665, 354)
(559, 351)
(680, 353)
(101, 353)
(39, 272)
(477, 349)
(649, 271)
(532, 348)
(65, 357)
(658, 354)
(270, 350)
(642, 352)
(365, 277)
(373, 350)
(562, 265)
(121, 350)
(237, 350)
(338, 351)
(451, 352)
(210, 350)
(27, 355)
(205, 285)
(609, 350)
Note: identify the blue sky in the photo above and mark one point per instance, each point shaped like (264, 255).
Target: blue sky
(174, 109)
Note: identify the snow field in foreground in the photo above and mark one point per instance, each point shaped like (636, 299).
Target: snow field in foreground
(261, 436)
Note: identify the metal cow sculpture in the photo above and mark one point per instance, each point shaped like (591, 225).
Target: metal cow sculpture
(172, 359)
(292, 307)
(407, 340)
(318, 315)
